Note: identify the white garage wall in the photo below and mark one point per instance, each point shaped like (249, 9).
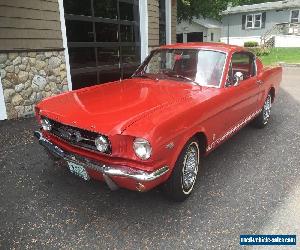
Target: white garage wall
(217, 35)
(3, 114)
(186, 27)
(240, 40)
(280, 40)
(287, 41)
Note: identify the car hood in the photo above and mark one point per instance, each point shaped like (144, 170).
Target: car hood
(110, 108)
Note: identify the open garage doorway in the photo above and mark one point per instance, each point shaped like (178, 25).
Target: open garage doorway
(103, 40)
(195, 37)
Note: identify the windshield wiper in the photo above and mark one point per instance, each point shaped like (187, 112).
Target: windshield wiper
(185, 78)
(146, 76)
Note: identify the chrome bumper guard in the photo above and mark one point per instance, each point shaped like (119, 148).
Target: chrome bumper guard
(107, 171)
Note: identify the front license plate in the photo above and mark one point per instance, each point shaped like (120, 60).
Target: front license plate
(78, 170)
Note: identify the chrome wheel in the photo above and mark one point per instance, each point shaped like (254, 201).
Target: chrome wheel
(267, 109)
(190, 167)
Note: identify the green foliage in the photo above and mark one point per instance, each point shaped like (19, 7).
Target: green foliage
(187, 9)
(251, 44)
(277, 55)
(259, 51)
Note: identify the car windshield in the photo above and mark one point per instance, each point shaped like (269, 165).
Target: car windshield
(201, 67)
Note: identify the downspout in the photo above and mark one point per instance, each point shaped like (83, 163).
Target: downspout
(143, 11)
(227, 29)
(3, 111)
(65, 42)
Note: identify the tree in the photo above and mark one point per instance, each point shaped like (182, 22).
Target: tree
(187, 9)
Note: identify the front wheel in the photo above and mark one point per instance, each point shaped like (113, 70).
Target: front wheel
(263, 118)
(182, 181)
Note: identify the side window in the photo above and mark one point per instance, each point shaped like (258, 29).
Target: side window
(244, 63)
(295, 16)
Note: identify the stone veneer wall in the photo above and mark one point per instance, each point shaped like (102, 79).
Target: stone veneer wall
(28, 77)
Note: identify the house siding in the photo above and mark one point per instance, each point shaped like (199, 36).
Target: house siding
(32, 62)
(29, 25)
(235, 23)
(153, 23)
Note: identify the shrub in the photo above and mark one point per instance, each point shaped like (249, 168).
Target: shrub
(250, 44)
(260, 51)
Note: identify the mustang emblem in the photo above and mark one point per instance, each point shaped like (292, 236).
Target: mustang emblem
(70, 134)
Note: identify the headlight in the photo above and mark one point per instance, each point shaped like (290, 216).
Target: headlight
(142, 148)
(46, 124)
(101, 143)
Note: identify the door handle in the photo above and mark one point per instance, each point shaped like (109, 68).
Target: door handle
(259, 82)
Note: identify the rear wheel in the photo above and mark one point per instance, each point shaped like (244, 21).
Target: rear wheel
(263, 118)
(182, 181)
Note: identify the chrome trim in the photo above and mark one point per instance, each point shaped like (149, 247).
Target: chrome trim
(190, 168)
(65, 132)
(107, 171)
(233, 130)
(267, 109)
(110, 183)
(138, 175)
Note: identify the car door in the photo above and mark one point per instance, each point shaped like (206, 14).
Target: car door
(242, 94)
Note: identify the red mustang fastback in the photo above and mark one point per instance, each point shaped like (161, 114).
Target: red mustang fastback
(151, 129)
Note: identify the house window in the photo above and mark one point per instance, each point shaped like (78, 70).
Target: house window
(249, 23)
(254, 21)
(295, 16)
(257, 21)
(211, 36)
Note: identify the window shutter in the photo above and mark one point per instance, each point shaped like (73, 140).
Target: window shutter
(243, 21)
(263, 20)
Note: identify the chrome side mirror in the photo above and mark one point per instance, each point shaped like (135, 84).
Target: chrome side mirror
(238, 76)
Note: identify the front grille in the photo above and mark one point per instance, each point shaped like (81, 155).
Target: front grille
(75, 136)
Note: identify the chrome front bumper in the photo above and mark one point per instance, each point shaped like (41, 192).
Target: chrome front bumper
(107, 171)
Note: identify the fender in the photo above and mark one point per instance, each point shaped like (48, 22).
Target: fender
(183, 139)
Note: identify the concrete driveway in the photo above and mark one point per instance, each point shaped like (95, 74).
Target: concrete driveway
(251, 184)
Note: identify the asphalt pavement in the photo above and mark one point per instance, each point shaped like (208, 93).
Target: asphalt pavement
(249, 185)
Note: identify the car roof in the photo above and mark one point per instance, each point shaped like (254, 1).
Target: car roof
(212, 46)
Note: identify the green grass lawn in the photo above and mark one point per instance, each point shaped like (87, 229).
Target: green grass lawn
(278, 55)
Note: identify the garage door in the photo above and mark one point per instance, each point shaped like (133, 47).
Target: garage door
(103, 40)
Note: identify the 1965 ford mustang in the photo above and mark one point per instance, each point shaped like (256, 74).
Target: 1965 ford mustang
(151, 130)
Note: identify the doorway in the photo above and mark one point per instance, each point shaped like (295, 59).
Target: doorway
(195, 37)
